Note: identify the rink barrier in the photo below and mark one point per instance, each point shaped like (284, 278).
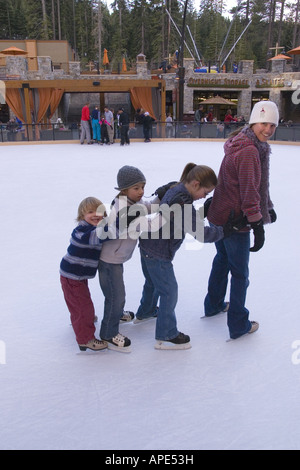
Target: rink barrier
(160, 131)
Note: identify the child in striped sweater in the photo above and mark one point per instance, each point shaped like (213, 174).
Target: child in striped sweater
(80, 264)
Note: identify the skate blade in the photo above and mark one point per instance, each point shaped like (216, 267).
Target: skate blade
(112, 347)
(90, 352)
(229, 340)
(137, 321)
(225, 310)
(166, 345)
(219, 314)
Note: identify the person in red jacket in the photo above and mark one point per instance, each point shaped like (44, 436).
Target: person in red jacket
(85, 124)
(243, 185)
(229, 117)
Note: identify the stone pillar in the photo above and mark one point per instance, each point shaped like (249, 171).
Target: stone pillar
(278, 65)
(141, 66)
(44, 66)
(275, 95)
(246, 67)
(16, 65)
(189, 65)
(74, 69)
(244, 103)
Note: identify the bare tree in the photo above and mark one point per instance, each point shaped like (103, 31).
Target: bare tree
(99, 31)
(53, 19)
(280, 21)
(45, 20)
(58, 20)
(272, 13)
(296, 25)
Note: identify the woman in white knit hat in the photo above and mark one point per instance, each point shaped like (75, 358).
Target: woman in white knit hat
(243, 184)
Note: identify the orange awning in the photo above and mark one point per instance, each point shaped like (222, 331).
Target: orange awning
(105, 57)
(295, 51)
(13, 51)
(124, 67)
(281, 57)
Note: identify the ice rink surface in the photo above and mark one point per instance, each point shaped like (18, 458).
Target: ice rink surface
(218, 395)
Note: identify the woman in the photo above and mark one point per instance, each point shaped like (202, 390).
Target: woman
(243, 184)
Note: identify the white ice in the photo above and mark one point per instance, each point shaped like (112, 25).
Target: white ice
(218, 395)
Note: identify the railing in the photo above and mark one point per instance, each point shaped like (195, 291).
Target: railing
(12, 132)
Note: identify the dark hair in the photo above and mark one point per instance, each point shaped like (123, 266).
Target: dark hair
(238, 130)
(201, 173)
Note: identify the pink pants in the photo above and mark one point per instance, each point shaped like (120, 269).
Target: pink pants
(78, 299)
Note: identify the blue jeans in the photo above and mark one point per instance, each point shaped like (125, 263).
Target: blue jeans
(112, 285)
(160, 282)
(96, 130)
(232, 256)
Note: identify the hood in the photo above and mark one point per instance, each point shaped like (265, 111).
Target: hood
(243, 139)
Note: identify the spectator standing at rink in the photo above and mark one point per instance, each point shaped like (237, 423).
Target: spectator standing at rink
(124, 126)
(109, 117)
(85, 124)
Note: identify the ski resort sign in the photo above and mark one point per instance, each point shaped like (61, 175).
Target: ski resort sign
(218, 82)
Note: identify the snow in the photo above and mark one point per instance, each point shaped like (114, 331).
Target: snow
(242, 394)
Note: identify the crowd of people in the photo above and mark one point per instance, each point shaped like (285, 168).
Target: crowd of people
(102, 128)
(202, 116)
(103, 243)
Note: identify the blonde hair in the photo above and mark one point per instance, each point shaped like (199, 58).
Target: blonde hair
(88, 204)
(201, 173)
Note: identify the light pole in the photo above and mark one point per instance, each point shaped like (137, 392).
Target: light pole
(181, 69)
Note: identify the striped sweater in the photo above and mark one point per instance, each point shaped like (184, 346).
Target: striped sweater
(243, 181)
(82, 258)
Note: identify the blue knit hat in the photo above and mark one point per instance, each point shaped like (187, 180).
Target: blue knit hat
(129, 176)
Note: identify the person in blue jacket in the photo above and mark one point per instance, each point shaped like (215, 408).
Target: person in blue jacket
(96, 125)
(158, 250)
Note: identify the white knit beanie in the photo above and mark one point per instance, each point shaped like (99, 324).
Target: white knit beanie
(264, 111)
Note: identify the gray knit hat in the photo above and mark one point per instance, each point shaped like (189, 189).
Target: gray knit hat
(129, 176)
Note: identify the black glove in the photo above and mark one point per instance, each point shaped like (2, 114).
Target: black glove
(234, 224)
(161, 191)
(259, 235)
(273, 215)
(206, 206)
